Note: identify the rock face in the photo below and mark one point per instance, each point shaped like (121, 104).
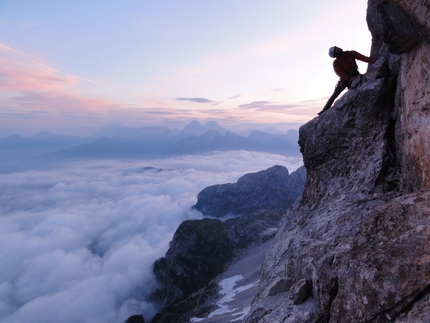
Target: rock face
(271, 189)
(135, 319)
(403, 26)
(354, 247)
(198, 252)
(201, 249)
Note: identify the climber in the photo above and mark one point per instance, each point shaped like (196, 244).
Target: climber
(346, 68)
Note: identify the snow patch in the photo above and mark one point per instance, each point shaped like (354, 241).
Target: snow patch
(242, 314)
(229, 292)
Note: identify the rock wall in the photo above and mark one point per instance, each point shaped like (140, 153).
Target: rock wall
(270, 189)
(415, 117)
(354, 247)
(403, 27)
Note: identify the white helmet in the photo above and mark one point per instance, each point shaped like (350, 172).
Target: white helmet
(332, 52)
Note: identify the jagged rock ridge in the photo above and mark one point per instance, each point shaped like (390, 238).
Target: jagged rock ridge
(272, 189)
(354, 247)
(201, 249)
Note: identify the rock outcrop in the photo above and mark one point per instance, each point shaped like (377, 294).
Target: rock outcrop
(201, 249)
(354, 247)
(271, 189)
(135, 319)
(198, 252)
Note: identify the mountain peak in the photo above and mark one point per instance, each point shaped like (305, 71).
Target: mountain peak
(211, 124)
(196, 128)
(192, 127)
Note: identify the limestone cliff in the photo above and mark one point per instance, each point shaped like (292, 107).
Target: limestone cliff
(355, 246)
(201, 249)
(270, 189)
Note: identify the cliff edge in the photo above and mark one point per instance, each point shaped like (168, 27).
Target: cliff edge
(354, 247)
(204, 252)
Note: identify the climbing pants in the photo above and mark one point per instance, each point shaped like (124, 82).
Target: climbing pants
(340, 86)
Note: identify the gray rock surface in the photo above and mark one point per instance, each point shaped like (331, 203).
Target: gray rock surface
(359, 234)
(198, 253)
(201, 250)
(271, 189)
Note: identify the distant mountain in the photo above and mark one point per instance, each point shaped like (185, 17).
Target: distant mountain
(196, 128)
(158, 131)
(44, 140)
(150, 146)
(101, 148)
(114, 149)
(260, 136)
(193, 127)
(209, 141)
(13, 142)
(257, 141)
(18, 153)
(48, 138)
(275, 143)
(118, 142)
(6, 132)
(115, 132)
(212, 125)
(123, 133)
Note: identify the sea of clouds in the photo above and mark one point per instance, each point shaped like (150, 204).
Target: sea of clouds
(77, 242)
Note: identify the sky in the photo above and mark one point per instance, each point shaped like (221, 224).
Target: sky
(70, 67)
(77, 242)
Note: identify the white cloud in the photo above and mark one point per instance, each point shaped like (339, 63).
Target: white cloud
(77, 242)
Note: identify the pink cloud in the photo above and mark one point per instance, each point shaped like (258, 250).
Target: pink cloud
(34, 95)
(32, 112)
(21, 72)
(66, 102)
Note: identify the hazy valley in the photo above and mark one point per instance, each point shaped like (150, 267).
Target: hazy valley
(120, 142)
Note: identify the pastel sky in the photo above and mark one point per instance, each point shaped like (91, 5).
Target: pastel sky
(71, 67)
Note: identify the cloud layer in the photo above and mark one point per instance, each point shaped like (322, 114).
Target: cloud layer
(196, 100)
(77, 243)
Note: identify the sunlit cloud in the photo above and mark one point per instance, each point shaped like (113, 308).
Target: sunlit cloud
(235, 96)
(268, 106)
(62, 101)
(35, 95)
(22, 72)
(254, 105)
(196, 100)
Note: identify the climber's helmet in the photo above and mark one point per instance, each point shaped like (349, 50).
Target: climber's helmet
(332, 51)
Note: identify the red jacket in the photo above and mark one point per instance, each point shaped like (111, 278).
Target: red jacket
(345, 62)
